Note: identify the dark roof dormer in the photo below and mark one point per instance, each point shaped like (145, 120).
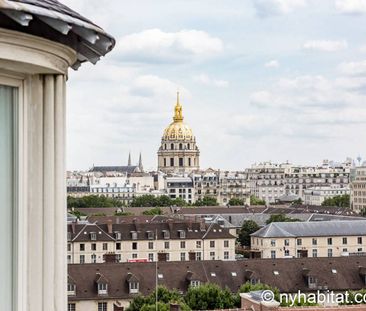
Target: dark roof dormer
(102, 284)
(133, 283)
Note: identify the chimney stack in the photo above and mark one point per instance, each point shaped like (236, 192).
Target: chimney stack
(109, 226)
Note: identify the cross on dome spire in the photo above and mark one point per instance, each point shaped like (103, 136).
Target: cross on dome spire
(178, 113)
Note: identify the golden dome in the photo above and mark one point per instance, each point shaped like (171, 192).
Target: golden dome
(178, 130)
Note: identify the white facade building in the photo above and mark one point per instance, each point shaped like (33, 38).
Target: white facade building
(317, 195)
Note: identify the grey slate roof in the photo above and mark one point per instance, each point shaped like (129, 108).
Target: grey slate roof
(123, 169)
(54, 5)
(312, 229)
(56, 22)
(231, 274)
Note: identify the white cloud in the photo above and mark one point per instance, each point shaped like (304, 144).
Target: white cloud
(351, 6)
(353, 68)
(207, 80)
(325, 45)
(157, 45)
(277, 7)
(272, 64)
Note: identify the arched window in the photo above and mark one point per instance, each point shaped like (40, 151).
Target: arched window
(188, 146)
(180, 146)
(172, 146)
(165, 146)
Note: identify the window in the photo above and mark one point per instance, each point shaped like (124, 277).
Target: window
(71, 288)
(119, 257)
(68, 258)
(212, 255)
(134, 245)
(226, 243)
(182, 244)
(330, 241)
(198, 244)
(182, 234)
(118, 235)
(102, 306)
(198, 256)
(287, 252)
(151, 245)
(93, 246)
(69, 247)
(93, 236)
(82, 258)
(166, 245)
(330, 252)
(166, 234)
(287, 242)
(315, 242)
(105, 246)
(359, 240)
(273, 242)
(93, 258)
(344, 241)
(167, 257)
(273, 254)
(82, 247)
(102, 288)
(171, 161)
(134, 287)
(226, 255)
(212, 244)
(182, 256)
(195, 283)
(71, 307)
(118, 246)
(151, 257)
(7, 98)
(315, 252)
(299, 242)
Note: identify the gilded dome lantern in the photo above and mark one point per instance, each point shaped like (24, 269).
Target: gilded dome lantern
(178, 151)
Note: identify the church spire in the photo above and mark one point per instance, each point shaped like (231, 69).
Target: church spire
(178, 113)
(141, 168)
(129, 159)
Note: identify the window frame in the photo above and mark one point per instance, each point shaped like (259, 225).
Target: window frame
(19, 214)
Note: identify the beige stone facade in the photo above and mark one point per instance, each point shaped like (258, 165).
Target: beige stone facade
(358, 190)
(310, 239)
(149, 242)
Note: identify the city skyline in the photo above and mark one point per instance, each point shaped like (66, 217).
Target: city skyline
(294, 95)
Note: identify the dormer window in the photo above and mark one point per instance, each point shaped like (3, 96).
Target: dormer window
(312, 282)
(134, 287)
(118, 235)
(71, 289)
(134, 235)
(195, 283)
(93, 236)
(69, 236)
(182, 234)
(254, 281)
(102, 289)
(150, 235)
(166, 234)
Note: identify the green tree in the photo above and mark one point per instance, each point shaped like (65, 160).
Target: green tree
(248, 227)
(280, 218)
(153, 211)
(147, 200)
(256, 201)
(209, 297)
(206, 201)
(92, 201)
(236, 202)
(164, 297)
(338, 201)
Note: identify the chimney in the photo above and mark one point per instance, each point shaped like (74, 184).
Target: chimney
(109, 226)
(202, 225)
(170, 224)
(73, 226)
(175, 307)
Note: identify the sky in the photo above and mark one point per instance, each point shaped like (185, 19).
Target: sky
(259, 80)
